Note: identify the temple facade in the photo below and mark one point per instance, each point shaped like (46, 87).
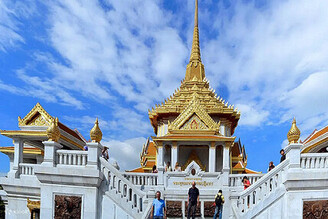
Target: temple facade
(52, 176)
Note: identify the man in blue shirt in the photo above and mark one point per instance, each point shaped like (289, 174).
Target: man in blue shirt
(158, 210)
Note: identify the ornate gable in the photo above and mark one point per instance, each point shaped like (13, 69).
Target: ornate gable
(194, 118)
(36, 117)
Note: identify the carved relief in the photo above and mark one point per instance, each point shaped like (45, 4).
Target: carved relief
(174, 208)
(67, 207)
(209, 209)
(315, 209)
(197, 214)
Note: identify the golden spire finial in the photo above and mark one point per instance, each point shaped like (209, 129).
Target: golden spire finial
(95, 133)
(195, 68)
(53, 132)
(294, 133)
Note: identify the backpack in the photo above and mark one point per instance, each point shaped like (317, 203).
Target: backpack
(218, 201)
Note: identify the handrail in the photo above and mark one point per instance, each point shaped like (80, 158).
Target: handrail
(314, 161)
(119, 174)
(264, 178)
(236, 179)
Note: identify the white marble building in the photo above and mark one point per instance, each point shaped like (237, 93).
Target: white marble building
(51, 176)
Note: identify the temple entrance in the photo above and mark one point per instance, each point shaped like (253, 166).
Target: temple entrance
(199, 154)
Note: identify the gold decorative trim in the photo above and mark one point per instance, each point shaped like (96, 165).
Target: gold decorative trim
(194, 108)
(35, 110)
(194, 157)
(70, 141)
(32, 205)
(23, 133)
(53, 132)
(309, 148)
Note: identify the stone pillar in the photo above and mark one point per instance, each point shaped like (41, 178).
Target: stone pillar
(202, 209)
(226, 164)
(18, 158)
(174, 154)
(160, 165)
(94, 152)
(50, 148)
(211, 158)
(222, 129)
(293, 153)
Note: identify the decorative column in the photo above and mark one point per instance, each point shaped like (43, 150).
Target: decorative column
(160, 166)
(293, 150)
(94, 147)
(51, 146)
(174, 154)
(226, 164)
(18, 157)
(222, 129)
(212, 158)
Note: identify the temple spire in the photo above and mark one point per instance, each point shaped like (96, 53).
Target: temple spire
(195, 69)
(195, 51)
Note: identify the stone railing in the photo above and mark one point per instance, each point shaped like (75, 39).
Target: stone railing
(261, 189)
(26, 168)
(146, 179)
(235, 180)
(72, 157)
(124, 193)
(314, 161)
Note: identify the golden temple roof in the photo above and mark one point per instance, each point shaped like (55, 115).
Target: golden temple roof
(195, 82)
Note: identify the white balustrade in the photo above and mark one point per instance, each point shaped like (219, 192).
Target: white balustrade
(26, 168)
(72, 157)
(124, 190)
(314, 161)
(146, 179)
(235, 180)
(260, 189)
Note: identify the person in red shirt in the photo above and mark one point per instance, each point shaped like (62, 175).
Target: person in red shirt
(246, 182)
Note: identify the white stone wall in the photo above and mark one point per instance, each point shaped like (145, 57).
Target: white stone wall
(110, 210)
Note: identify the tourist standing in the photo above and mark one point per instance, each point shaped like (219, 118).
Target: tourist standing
(246, 182)
(193, 200)
(283, 156)
(271, 166)
(177, 168)
(158, 210)
(168, 167)
(104, 153)
(85, 148)
(219, 201)
(154, 169)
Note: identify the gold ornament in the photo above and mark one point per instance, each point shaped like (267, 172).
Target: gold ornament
(53, 132)
(294, 133)
(95, 133)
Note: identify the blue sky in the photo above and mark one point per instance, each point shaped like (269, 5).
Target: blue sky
(116, 59)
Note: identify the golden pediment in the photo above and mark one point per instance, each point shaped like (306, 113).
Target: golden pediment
(194, 118)
(194, 157)
(36, 117)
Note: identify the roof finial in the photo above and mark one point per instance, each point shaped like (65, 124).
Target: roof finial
(294, 133)
(195, 68)
(95, 133)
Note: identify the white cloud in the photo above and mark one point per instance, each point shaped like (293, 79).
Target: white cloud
(126, 153)
(263, 53)
(251, 116)
(9, 35)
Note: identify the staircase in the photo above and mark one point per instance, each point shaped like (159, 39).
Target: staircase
(265, 191)
(126, 195)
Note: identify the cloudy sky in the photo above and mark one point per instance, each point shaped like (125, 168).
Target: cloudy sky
(116, 59)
